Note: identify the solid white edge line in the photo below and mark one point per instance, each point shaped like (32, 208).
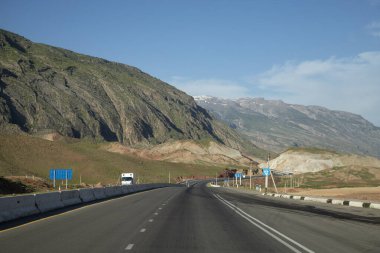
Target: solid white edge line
(249, 217)
(263, 229)
(142, 230)
(129, 247)
(274, 230)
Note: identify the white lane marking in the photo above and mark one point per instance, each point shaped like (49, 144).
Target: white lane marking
(150, 220)
(253, 221)
(129, 247)
(163, 204)
(155, 213)
(142, 230)
(160, 208)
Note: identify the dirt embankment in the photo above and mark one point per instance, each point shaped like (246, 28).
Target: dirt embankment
(186, 152)
(22, 184)
(304, 161)
(355, 193)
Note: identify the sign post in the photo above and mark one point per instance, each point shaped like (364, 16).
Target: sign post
(61, 174)
(238, 175)
(66, 179)
(250, 178)
(266, 173)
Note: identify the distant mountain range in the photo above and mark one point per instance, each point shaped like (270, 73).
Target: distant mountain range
(275, 125)
(44, 88)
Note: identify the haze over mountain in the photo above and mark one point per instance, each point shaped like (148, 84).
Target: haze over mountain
(275, 125)
(43, 88)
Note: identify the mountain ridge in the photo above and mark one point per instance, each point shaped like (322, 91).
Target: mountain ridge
(45, 88)
(276, 125)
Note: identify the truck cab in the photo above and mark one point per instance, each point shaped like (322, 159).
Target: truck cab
(126, 178)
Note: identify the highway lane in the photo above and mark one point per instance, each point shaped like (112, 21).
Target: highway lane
(194, 219)
(320, 227)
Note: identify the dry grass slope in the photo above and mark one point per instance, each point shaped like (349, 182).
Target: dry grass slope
(27, 155)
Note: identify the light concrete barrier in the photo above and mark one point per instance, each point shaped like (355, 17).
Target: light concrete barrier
(337, 202)
(113, 191)
(321, 200)
(86, 195)
(99, 193)
(125, 189)
(21, 206)
(132, 188)
(48, 201)
(296, 197)
(16, 207)
(374, 205)
(355, 203)
(285, 196)
(70, 198)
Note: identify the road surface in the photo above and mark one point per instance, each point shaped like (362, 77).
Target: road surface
(195, 219)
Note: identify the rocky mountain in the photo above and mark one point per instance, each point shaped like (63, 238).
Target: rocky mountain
(275, 125)
(304, 160)
(49, 89)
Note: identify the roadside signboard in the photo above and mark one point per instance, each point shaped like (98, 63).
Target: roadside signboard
(238, 175)
(266, 171)
(61, 174)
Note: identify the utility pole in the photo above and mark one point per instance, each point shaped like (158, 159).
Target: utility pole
(250, 178)
(266, 177)
(66, 179)
(54, 179)
(274, 183)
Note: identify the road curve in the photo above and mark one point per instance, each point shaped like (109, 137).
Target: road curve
(192, 219)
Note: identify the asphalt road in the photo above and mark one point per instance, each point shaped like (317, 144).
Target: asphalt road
(195, 219)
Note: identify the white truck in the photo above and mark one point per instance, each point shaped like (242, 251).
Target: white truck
(126, 178)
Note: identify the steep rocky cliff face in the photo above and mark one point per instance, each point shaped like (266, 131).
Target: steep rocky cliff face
(44, 88)
(276, 125)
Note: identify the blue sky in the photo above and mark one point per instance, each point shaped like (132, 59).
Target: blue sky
(324, 52)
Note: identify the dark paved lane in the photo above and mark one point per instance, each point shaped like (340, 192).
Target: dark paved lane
(194, 219)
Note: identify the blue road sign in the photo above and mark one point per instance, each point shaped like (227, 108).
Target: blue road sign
(61, 174)
(237, 175)
(266, 171)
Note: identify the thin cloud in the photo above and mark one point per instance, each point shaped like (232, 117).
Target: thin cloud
(374, 29)
(349, 84)
(213, 87)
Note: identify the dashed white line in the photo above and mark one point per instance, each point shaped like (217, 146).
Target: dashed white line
(129, 247)
(160, 208)
(155, 213)
(142, 230)
(150, 220)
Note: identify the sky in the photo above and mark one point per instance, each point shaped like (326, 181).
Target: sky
(313, 52)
